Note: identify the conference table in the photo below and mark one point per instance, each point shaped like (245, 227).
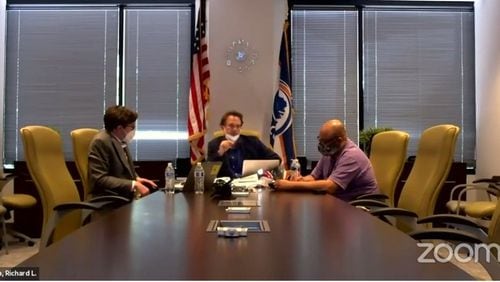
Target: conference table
(164, 236)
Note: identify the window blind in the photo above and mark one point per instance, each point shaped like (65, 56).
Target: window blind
(419, 72)
(60, 71)
(157, 64)
(324, 74)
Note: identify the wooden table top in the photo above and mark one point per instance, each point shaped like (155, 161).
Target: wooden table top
(164, 237)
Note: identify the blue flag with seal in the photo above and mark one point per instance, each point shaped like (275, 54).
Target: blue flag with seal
(281, 135)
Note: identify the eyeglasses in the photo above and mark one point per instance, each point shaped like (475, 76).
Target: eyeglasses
(131, 126)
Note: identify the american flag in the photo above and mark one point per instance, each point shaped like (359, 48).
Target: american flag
(199, 92)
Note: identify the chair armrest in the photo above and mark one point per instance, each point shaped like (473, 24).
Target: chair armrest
(368, 203)
(74, 206)
(445, 234)
(454, 189)
(60, 211)
(393, 212)
(377, 196)
(461, 223)
(486, 180)
(450, 219)
(111, 198)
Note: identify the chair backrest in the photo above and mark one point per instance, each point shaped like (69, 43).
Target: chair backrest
(247, 132)
(45, 161)
(388, 156)
(432, 164)
(82, 138)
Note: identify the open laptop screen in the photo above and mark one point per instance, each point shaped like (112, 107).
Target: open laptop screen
(211, 170)
(251, 166)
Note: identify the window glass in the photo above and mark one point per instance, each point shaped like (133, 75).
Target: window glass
(60, 71)
(419, 72)
(324, 74)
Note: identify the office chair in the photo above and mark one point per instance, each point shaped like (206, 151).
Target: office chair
(63, 212)
(463, 229)
(15, 202)
(431, 167)
(477, 209)
(18, 202)
(82, 138)
(387, 156)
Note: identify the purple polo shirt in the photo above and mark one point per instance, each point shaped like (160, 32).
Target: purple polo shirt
(351, 170)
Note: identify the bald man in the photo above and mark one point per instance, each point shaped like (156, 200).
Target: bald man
(344, 170)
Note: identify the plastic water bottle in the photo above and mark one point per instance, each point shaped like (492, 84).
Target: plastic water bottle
(295, 168)
(199, 179)
(170, 179)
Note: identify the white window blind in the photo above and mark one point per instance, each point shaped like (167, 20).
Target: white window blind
(60, 71)
(157, 64)
(419, 72)
(324, 74)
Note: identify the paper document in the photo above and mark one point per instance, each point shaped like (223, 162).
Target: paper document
(247, 181)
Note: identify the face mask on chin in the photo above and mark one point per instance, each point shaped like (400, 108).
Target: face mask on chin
(327, 150)
(129, 137)
(232, 138)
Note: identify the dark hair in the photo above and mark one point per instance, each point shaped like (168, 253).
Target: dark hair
(231, 113)
(118, 115)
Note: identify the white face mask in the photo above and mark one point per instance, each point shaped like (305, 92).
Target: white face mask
(128, 138)
(232, 138)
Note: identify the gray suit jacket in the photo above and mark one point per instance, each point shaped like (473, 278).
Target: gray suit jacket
(109, 166)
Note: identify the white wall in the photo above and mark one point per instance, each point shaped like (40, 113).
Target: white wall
(487, 32)
(259, 22)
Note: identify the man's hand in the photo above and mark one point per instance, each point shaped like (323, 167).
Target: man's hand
(145, 181)
(141, 189)
(292, 176)
(224, 146)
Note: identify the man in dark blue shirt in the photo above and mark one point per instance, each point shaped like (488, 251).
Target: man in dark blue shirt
(233, 147)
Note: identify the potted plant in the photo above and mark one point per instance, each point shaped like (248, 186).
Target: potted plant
(366, 135)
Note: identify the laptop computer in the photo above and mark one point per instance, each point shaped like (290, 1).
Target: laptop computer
(251, 166)
(211, 170)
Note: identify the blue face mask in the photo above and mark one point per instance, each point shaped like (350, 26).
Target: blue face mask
(327, 150)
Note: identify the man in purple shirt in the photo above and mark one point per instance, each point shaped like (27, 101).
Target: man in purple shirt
(344, 170)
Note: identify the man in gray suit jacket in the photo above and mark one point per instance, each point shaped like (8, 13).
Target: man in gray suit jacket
(110, 167)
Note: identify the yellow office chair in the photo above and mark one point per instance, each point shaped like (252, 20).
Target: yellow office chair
(82, 138)
(387, 156)
(15, 202)
(247, 132)
(464, 230)
(432, 165)
(63, 212)
(477, 209)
